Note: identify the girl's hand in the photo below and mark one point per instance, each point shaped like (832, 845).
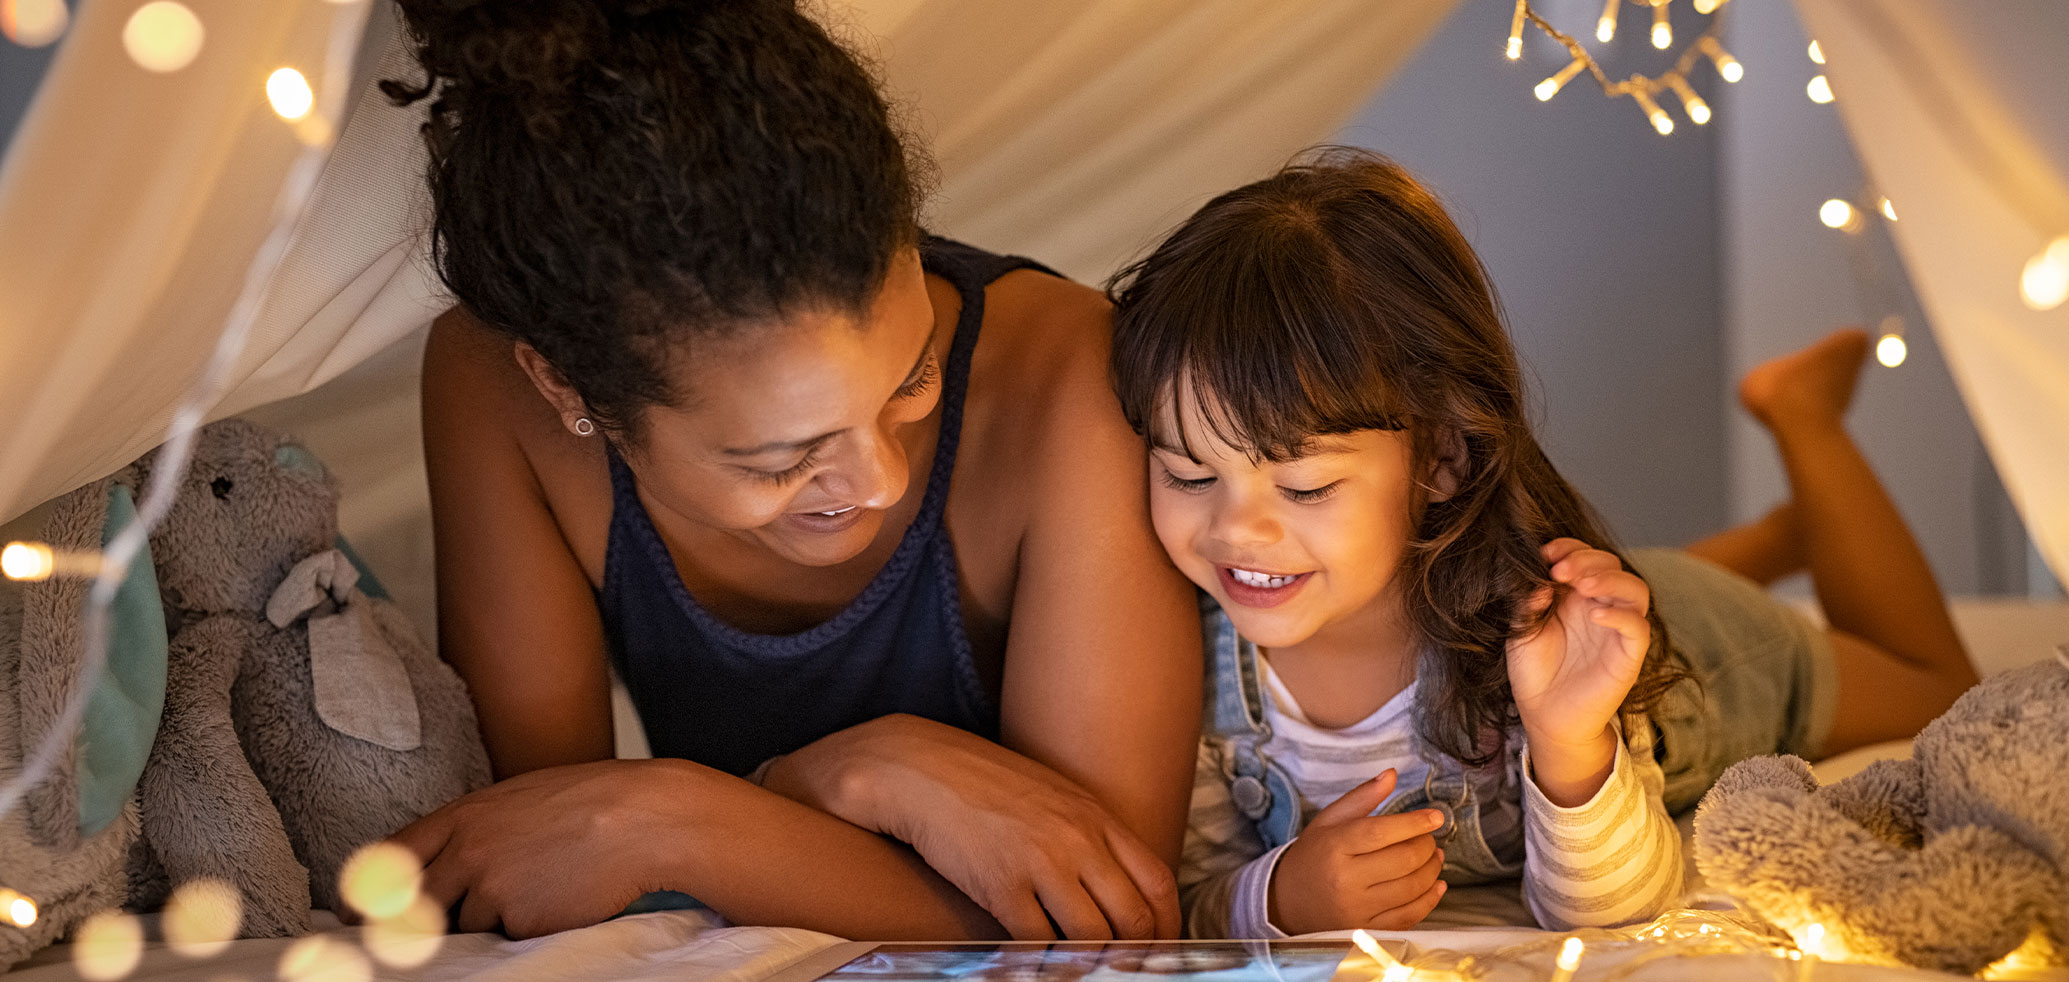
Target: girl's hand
(1570, 676)
(1353, 869)
(1033, 849)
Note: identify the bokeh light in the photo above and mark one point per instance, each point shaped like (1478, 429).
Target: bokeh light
(34, 23)
(317, 958)
(289, 93)
(201, 918)
(163, 36)
(1890, 351)
(1836, 213)
(2044, 283)
(16, 909)
(27, 561)
(1819, 90)
(381, 880)
(107, 946)
(410, 940)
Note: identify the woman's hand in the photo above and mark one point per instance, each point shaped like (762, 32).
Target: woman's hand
(1570, 676)
(1351, 868)
(551, 849)
(1036, 851)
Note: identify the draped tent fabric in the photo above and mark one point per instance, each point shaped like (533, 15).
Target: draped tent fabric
(1072, 130)
(1954, 135)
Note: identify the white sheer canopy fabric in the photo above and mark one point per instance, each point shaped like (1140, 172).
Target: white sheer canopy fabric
(1960, 116)
(1071, 130)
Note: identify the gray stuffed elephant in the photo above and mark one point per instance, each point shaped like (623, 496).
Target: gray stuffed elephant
(1949, 860)
(301, 718)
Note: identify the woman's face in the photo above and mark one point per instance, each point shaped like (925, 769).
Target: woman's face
(793, 435)
(1286, 548)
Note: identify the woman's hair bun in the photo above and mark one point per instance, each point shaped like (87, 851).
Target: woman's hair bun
(536, 51)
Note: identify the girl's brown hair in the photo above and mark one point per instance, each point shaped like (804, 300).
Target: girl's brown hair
(1337, 296)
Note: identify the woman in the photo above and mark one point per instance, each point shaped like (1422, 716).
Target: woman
(715, 412)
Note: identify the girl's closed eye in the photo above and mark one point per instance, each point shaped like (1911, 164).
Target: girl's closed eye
(1192, 485)
(1309, 496)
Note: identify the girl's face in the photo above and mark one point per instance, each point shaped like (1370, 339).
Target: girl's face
(796, 437)
(1286, 548)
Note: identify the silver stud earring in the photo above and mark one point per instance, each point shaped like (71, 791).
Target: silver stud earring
(583, 427)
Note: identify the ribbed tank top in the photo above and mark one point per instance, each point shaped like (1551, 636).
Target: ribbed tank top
(731, 699)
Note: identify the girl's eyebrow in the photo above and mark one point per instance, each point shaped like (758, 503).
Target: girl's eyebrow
(1163, 445)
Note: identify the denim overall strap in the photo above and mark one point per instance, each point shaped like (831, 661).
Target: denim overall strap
(1262, 792)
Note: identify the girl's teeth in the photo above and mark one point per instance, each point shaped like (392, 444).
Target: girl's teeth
(1262, 580)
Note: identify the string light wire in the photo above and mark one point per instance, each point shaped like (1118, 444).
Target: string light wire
(208, 388)
(1643, 90)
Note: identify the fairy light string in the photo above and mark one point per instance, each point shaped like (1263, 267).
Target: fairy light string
(1647, 92)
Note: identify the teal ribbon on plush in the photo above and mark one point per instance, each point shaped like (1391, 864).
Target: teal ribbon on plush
(122, 714)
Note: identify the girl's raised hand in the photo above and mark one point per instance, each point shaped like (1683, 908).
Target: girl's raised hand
(1570, 675)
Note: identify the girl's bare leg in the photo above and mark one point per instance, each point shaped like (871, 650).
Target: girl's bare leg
(1900, 661)
(1763, 550)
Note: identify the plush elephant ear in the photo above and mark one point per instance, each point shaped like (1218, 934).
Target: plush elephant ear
(98, 771)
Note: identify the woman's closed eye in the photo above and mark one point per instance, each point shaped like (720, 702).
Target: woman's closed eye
(787, 474)
(920, 383)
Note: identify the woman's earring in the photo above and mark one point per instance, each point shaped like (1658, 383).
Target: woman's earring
(583, 427)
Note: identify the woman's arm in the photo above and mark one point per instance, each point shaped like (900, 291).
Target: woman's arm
(1103, 668)
(561, 846)
(516, 617)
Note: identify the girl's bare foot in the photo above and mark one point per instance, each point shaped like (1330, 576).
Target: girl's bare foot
(1813, 386)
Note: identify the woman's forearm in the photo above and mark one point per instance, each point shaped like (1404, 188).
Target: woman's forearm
(759, 858)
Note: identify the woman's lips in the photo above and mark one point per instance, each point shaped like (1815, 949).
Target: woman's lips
(1275, 591)
(827, 522)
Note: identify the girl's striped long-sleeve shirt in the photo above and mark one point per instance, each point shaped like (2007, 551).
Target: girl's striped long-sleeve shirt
(1613, 859)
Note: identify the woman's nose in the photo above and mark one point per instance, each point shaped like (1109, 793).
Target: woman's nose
(871, 472)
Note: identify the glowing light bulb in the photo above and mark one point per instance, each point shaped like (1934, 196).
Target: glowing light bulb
(1662, 32)
(1660, 120)
(1516, 30)
(16, 909)
(163, 36)
(1707, 6)
(1889, 211)
(1819, 90)
(1727, 66)
(289, 93)
(1515, 48)
(107, 946)
(1837, 214)
(1568, 961)
(1605, 28)
(1817, 54)
(2044, 283)
(34, 23)
(1890, 351)
(1698, 110)
(29, 561)
(1550, 87)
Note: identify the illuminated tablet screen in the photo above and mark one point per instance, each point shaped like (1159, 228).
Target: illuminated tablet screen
(1204, 961)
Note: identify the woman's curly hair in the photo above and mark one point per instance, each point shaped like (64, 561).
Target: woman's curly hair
(1337, 296)
(612, 179)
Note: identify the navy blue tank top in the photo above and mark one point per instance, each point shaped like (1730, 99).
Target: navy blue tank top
(730, 699)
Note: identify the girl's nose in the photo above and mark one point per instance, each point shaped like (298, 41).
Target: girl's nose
(1246, 523)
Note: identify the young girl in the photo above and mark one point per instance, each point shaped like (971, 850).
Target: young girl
(1428, 666)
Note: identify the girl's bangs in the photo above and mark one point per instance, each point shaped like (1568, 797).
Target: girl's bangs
(1266, 338)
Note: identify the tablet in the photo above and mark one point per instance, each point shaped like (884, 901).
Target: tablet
(1303, 960)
